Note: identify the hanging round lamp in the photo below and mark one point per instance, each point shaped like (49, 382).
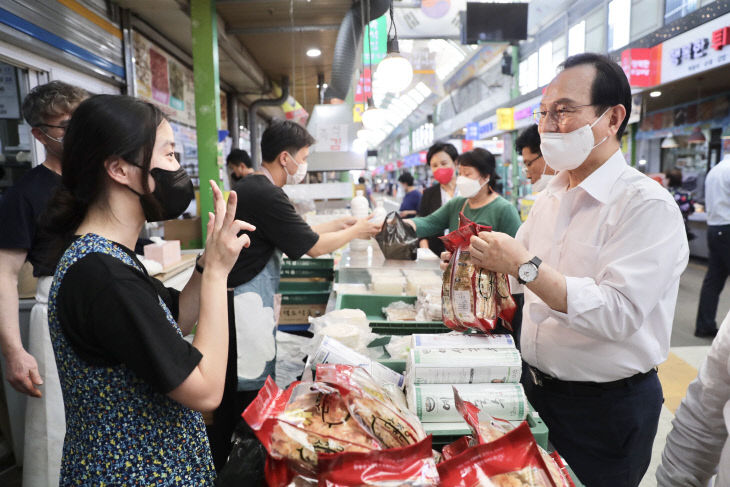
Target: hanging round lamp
(394, 71)
(669, 142)
(373, 118)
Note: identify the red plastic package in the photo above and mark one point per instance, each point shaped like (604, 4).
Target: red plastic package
(472, 297)
(510, 461)
(456, 448)
(372, 406)
(304, 420)
(411, 466)
(489, 429)
(483, 430)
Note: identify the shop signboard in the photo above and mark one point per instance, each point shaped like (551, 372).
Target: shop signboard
(390, 167)
(466, 145)
(702, 48)
(472, 131)
(505, 118)
(364, 89)
(9, 102)
(523, 112)
(331, 137)
(376, 38)
(357, 110)
(487, 126)
(422, 137)
(429, 19)
(160, 79)
(642, 66)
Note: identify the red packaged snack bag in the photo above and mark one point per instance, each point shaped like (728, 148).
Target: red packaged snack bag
(411, 466)
(472, 297)
(306, 419)
(510, 461)
(484, 430)
(372, 407)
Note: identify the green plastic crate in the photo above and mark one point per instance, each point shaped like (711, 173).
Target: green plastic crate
(443, 437)
(309, 263)
(372, 305)
(304, 292)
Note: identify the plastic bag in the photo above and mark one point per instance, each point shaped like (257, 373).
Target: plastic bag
(411, 466)
(397, 239)
(302, 421)
(245, 464)
(491, 429)
(472, 297)
(400, 311)
(510, 461)
(371, 405)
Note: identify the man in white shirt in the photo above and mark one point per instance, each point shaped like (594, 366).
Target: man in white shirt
(600, 255)
(698, 446)
(717, 205)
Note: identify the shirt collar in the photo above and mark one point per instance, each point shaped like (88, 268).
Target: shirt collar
(598, 184)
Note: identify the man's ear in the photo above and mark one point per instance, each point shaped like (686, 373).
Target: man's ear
(38, 134)
(618, 114)
(282, 158)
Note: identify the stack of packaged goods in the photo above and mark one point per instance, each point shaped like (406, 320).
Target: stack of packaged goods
(485, 369)
(387, 281)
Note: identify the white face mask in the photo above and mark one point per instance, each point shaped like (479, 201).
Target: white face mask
(568, 151)
(467, 187)
(542, 183)
(298, 176)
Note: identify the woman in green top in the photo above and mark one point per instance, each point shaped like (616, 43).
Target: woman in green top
(477, 199)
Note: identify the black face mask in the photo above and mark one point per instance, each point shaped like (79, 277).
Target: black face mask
(172, 195)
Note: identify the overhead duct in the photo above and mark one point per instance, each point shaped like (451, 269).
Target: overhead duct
(348, 38)
(253, 126)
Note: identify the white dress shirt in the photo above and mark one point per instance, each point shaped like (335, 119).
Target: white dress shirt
(619, 239)
(698, 444)
(717, 193)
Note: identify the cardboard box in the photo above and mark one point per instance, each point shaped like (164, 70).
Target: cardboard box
(188, 232)
(166, 253)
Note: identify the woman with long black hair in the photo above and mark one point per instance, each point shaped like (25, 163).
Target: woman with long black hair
(132, 386)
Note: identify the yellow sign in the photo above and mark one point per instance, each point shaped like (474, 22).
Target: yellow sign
(505, 118)
(357, 110)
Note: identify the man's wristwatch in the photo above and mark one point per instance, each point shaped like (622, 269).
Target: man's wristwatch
(198, 267)
(527, 272)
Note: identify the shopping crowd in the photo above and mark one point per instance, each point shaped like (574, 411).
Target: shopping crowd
(116, 392)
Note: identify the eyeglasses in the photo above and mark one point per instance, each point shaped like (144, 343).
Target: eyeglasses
(64, 126)
(529, 163)
(560, 115)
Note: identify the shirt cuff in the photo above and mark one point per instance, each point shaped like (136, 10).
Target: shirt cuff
(579, 297)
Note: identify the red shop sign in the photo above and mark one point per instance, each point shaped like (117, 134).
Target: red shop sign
(389, 167)
(642, 65)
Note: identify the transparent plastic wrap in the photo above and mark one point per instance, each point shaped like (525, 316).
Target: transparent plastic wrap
(372, 406)
(400, 311)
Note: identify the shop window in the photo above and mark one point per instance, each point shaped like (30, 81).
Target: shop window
(676, 9)
(546, 69)
(618, 23)
(529, 73)
(577, 38)
(595, 37)
(15, 139)
(646, 17)
(559, 49)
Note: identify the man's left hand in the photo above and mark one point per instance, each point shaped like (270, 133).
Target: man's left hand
(498, 252)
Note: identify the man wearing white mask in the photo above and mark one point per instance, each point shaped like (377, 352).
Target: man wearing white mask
(255, 276)
(528, 145)
(600, 256)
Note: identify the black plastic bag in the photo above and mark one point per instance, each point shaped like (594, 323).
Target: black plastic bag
(397, 239)
(246, 463)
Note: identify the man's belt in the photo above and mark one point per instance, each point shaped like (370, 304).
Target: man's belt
(580, 388)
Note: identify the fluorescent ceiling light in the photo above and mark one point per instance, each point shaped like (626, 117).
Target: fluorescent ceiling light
(313, 52)
(655, 94)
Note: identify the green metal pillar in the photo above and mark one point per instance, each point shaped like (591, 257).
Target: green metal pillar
(207, 100)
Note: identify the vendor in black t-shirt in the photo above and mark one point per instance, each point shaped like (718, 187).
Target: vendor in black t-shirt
(255, 276)
(47, 109)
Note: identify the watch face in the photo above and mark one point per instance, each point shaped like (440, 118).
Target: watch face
(527, 272)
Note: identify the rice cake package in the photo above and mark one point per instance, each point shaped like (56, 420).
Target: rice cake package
(372, 407)
(473, 297)
(411, 466)
(463, 366)
(434, 403)
(510, 461)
